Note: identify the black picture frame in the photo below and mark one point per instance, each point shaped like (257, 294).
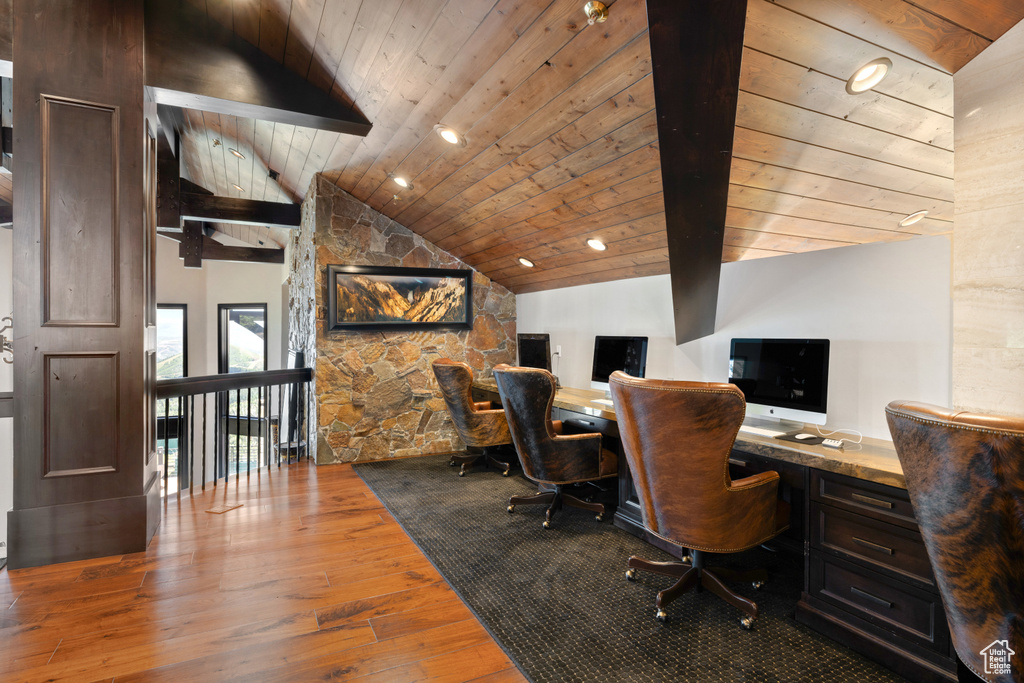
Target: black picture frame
(405, 282)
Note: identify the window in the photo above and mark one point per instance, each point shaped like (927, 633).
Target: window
(242, 347)
(171, 363)
(242, 337)
(171, 341)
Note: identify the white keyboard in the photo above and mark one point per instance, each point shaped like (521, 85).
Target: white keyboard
(760, 431)
(603, 401)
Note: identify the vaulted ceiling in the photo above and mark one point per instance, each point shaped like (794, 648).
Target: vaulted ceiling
(561, 132)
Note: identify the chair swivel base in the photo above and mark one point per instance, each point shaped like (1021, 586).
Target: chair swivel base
(693, 575)
(467, 460)
(557, 499)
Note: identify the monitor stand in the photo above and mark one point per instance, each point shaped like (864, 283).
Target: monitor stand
(770, 427)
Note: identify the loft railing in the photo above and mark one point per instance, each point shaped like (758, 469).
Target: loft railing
(210, 428)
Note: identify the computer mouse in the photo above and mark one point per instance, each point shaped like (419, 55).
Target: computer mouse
(802, 437)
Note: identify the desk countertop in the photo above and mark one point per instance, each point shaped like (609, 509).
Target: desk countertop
(872, 460)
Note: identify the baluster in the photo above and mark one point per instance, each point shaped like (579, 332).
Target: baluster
(191, 442)
(166, 459)
(177, 431)
(238, 399)
(280, 423)
(216, 438)
(248, 431)
(204, 443)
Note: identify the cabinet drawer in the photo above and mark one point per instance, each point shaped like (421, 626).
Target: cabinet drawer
(883, 545)
(874, 500)
(575, 423)
(912, 614)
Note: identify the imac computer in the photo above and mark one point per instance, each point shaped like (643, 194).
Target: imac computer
(628, 354)
(534, 351)
(782, 379)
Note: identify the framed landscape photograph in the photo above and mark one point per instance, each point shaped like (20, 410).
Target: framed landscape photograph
(382, 298)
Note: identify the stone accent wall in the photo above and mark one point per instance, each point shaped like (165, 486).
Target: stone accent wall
(376, 393)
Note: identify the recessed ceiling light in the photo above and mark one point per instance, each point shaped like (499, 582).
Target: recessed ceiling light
(450, 135)
(402, 182)
(868, 76)
(236, 152)
(913, 218)
(237, 187)
(596, 244)
(526, 262)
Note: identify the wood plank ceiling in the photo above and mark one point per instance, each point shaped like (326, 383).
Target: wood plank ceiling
(561, 134)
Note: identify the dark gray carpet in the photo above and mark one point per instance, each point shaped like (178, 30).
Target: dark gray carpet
(557, 600)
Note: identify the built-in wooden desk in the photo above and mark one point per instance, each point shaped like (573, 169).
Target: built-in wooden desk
(867, 579)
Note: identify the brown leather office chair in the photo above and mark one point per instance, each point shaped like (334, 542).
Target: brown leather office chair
(677, 437)
(965, 477)
(547, 455)
(479, 424)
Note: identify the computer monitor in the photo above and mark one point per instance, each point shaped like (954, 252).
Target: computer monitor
(534, 351)
(784, 379)
(628, 354)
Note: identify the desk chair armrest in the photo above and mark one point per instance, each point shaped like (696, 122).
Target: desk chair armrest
(755, 480)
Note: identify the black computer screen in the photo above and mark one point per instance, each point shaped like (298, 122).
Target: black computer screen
(534, 351)
(786, 373)
(628, 354)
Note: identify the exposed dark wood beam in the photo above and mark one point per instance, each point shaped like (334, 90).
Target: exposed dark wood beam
(7, 123)
(215, 251)
(202, 207)
(194, 62)
(696, 49)
(212, 250)
(168, 183)
(6, 38)
(191, 247)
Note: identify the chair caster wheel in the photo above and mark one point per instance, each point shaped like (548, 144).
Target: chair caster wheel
(631, 574)
(661, 615)
(451, 463)
(511, 509)
(758, 585)
(600, 517)
(686, 559)
(547, 524)
(462, 473)
(747, 622)
(505, 473)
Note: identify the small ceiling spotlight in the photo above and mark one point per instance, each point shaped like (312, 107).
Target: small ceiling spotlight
(401, 182)
(868, 76)
(597, 12)
(236, 152)
(450, 135)
(596, 244)
(913, 218)
(526, 262)
(237, 187)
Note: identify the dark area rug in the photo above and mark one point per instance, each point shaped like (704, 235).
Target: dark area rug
(558, 601)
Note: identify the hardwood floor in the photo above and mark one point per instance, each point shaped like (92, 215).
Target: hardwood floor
(310, 580)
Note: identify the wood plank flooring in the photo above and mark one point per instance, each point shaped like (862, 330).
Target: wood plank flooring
(310, 580)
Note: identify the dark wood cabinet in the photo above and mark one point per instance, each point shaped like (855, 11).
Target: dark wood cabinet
(868, 580)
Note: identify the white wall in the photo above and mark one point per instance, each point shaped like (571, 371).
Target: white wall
(6, 384)
(221, 282)
(885, 307)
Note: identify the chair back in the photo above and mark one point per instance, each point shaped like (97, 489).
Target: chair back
(677, 437)
(527, 395)
(477, 425)
(965, 477)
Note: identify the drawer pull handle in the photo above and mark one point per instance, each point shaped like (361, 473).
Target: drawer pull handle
(873, 546)
(873, 598)
(738, 463)
(872, 501)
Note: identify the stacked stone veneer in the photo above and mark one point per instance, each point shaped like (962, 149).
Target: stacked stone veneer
(376, 396)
